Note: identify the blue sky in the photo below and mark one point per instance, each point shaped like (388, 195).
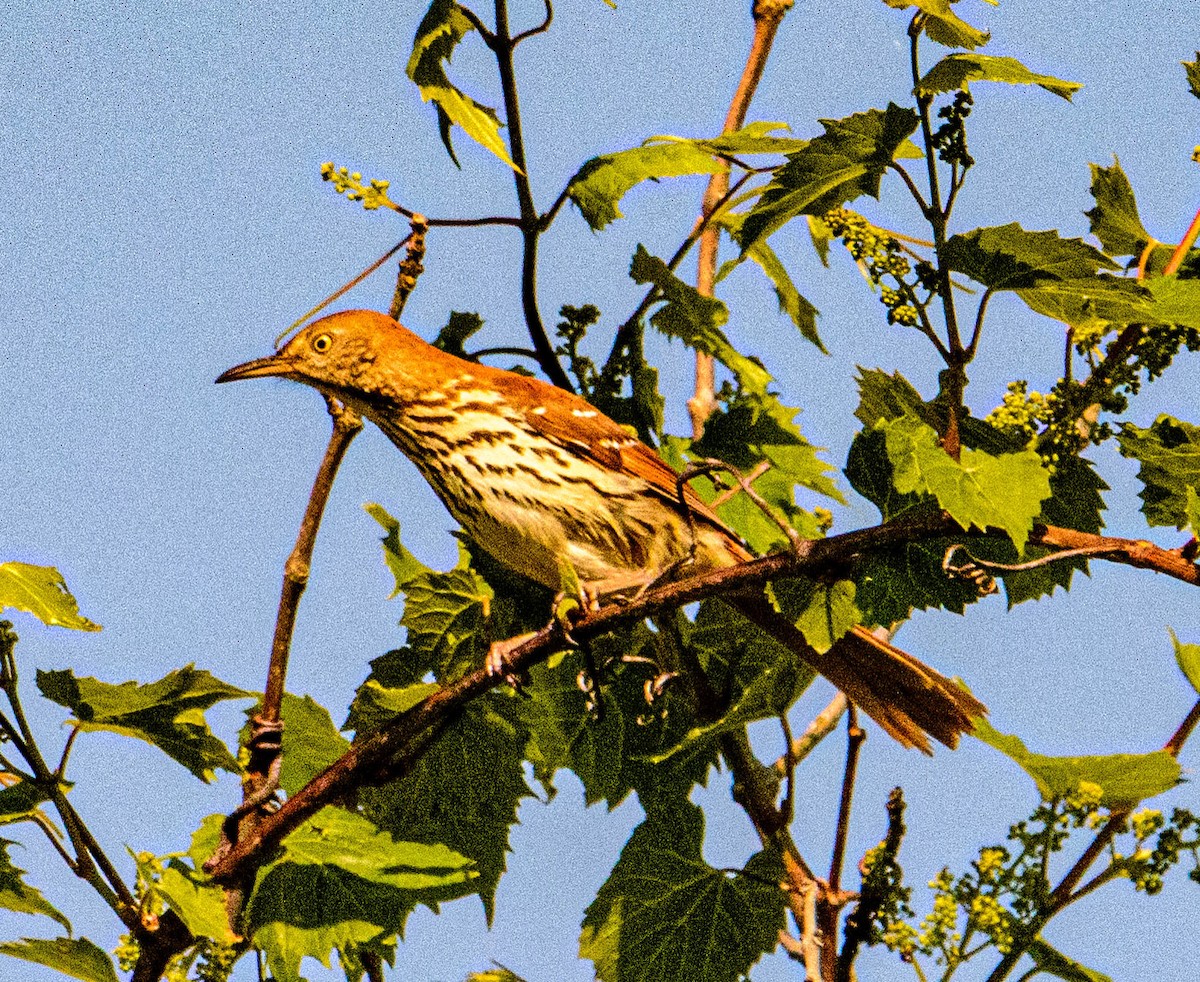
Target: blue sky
(163, 218)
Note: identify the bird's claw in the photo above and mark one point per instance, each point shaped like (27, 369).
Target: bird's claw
(497, 659)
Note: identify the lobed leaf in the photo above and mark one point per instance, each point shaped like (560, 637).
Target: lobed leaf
(1114, 219)
(696, 320)
(665, 915)
(18, 896)
(847, 161)
(1169, 454)
(463, 793)
(978, 490)
(311, 742)
(943, 25)
(1124, 779)
(442, 28)
(564, 732)
(958, 70)
(77, 958)
(168, 714)
(599, 185)
(339, 883)
(823, 612)
(199, 904)
(42, 592)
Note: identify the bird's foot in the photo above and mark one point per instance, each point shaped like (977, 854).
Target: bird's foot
(498, 655)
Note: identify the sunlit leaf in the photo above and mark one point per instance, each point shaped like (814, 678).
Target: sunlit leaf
(168, 713)
(943, 25)
(958, 71)
(1187, 656)
(341, 882)
(1124, 779)
(1053, 962)
(18, 896)
(1114, 219)
(41, 591)
(847, 161)
(439, 33)
(74, 957)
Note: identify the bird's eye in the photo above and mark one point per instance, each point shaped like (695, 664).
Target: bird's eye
(322, 343)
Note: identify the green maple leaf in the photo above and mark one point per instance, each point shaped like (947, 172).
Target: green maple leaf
(957, 71)
(847, 161)
(665, 915)
(978, 490)
(168, 713)
(1169, 454)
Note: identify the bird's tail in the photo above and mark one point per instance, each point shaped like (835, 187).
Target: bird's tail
(901, 693)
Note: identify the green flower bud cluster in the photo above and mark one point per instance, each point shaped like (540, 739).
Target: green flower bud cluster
(879, 255)
(215, 962)
(1023, 414)
(373, 195)
(1146, 866)
(572, 328)
(950, 140)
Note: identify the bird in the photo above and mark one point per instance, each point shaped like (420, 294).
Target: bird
(560, 493)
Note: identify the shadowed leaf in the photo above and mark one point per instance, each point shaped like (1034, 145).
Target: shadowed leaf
(957, 71)
(74, 957)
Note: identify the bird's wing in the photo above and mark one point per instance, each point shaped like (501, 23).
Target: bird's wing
(572, 422)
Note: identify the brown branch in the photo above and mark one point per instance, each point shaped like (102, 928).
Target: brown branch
(410, 268)
(1181, 250)
(858, 924)
(768, 14)
(822, 725)
(833, 899)
(390, 743)
(531, 226)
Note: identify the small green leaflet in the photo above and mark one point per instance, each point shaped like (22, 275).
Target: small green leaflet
(600, 184)
(403, 564)
(1053, 962)
(957, 71)
(1187, 656)
(459, 329)
(979, 490)
(1124, 779)
(665, 915)
(200, 905)
(824, 612)
(75, 957)
(1169, 454)
(943, 25)
(168, 713)
(18, 896)
(696, 320)
(341, 882)
(847, 161)
(1193, 74)
(1114, 219)
(19, 800)
(41, 591)
(443, 26)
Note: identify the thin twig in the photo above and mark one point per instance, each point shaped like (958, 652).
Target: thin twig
(540, 29)
(813, 559)
(822, 725)
(60, 772)
(973, 346)
(855, 735)
(530, 222)
(912, 188)
(410, 268)
(768, 14)
(488, 37)
(1181, 250)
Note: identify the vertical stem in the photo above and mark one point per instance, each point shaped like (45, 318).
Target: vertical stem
(531, 229)
(953, 379)
(768, 14)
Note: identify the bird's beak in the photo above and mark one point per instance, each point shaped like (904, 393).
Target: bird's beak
(274, 365)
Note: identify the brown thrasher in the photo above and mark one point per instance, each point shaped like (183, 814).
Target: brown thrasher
(543, 481)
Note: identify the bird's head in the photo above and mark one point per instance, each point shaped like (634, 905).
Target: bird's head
(356, 356)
